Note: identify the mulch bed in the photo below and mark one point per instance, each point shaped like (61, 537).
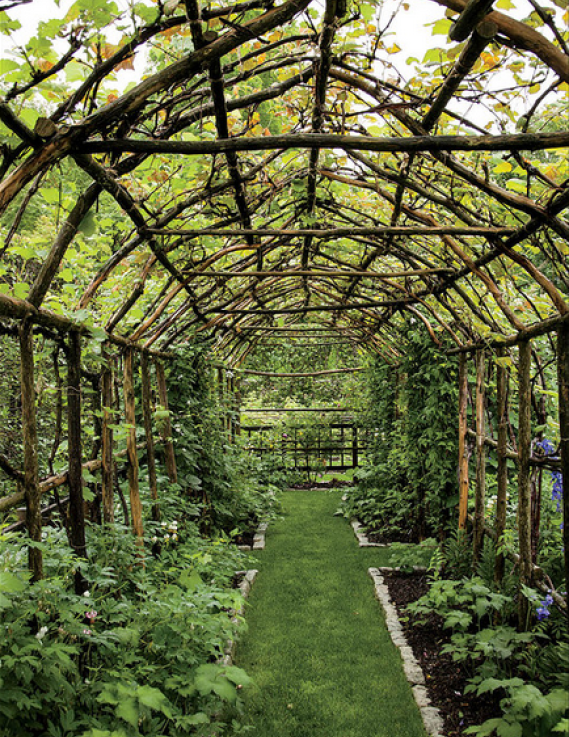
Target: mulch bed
(245, 538)
(387, 539)
(333, 484)
(446, 680)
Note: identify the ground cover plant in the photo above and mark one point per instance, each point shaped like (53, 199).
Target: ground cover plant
(135, 652)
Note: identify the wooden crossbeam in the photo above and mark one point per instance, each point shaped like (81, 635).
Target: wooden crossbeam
(313, 273)
(312, 308)
(393, 144)
(304, 375)
(402, 230)
(298, 409)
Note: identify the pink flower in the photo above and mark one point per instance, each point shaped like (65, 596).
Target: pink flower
(91, 615)
(87, 632)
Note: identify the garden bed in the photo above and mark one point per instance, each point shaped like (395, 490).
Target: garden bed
(333, 484)
(445, 679)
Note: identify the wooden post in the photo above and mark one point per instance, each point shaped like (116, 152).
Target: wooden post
(75, 454)
(478, 531)
(166, 432)
(30, 443)
(229, 407)
(563, 381)
(132, 456)
(147, 417)
(502, 473)
(107, 473)
(238, 406)
(220, 393)
(355, 457)
(462, 449)
(524, 499)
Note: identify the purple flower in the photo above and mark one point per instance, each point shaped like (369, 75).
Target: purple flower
(543, 609)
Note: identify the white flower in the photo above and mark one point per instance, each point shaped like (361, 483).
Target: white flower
(42, 633)
(86, 594)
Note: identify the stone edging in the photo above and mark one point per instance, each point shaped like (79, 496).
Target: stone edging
(258, 538)
(432, 719)
(363, 541)
(244, 588)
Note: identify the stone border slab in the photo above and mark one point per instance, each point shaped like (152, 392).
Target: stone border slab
(363, 541)
(431, 716)
(258, 538)
(245, 588)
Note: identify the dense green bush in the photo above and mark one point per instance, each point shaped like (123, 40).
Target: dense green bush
(130, 655)
(408, 487)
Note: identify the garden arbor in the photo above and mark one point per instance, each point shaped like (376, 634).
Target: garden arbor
(286, 169)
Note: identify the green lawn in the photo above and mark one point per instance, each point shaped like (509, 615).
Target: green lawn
(316, 645)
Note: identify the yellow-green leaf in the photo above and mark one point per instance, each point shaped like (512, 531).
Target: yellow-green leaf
(503, 167)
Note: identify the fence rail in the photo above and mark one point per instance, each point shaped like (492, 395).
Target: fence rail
(336, 446)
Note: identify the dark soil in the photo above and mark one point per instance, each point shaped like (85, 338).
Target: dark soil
(446, 680)
(386, 539)
(245, 538)
(237, 579)
(333, 484)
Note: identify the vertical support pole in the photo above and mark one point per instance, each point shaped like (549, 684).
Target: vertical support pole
(502, 473)
(355, 457)
(232, 409)
(132, 456)
(229, 407)
(563, 382)
(478, 531)
(30, 443)
(238, 406)
(166, 433)
(462, 449)
(75, 452)
(524, 498)
(220, 397)
(147, 419)
(107, 473)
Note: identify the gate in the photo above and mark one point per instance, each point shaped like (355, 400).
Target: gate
(333, 446)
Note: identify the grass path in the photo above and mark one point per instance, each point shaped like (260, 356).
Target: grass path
(316, 645)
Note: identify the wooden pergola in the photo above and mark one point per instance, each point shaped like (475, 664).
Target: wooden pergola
(358, 200)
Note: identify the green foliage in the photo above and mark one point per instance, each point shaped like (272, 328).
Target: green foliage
(524, 665)
(408, 488)
(135, 652)
(527, 711)
(230, 491)
(407, 557)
